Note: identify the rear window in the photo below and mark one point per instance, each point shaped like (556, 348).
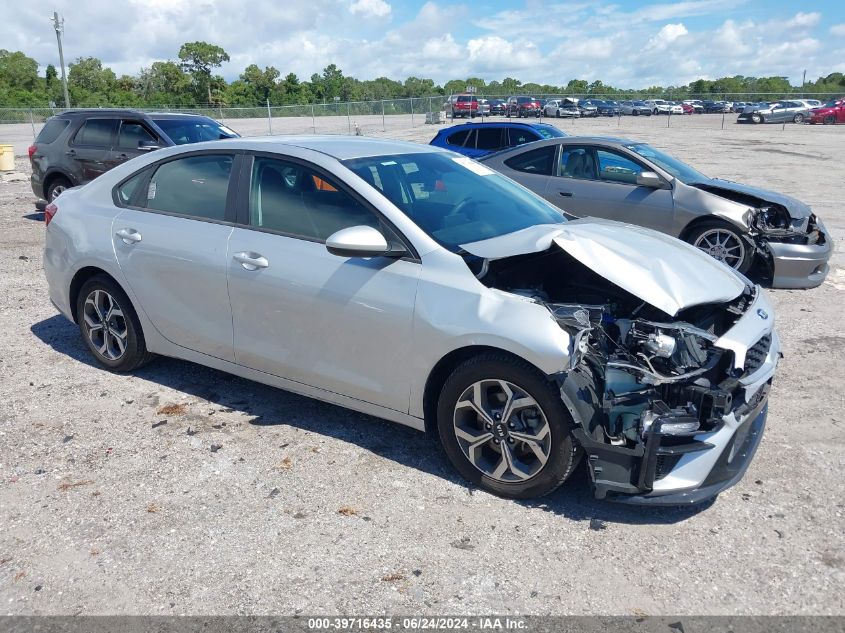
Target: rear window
(51, 130)
(464, 99)
(458, 138)
(96, 132)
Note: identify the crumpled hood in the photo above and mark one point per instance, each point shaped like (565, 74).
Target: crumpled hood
(667, 273)
(796, 208)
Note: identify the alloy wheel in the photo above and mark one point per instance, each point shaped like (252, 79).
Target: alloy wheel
(722, 245)
(105, 325)
(56, 192)
(502, 430)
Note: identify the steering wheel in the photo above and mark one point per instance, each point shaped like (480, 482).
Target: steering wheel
(463, 204)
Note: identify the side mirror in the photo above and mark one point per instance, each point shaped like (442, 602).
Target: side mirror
(358, 241)
(651, 180)
(148, 146)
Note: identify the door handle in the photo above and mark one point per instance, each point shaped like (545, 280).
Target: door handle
(565, 194)
(251, 261)
(129, 236)
(70, 152)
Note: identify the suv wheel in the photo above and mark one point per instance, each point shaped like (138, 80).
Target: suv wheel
(505, 428)
(56, 187)
(109, 325)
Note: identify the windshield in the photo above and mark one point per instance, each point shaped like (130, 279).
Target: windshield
(453, 198)
(548, 131)
(186, 130)
(681, 171)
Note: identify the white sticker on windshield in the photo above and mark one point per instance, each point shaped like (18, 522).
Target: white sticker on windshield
(151, 191)
(476, 168)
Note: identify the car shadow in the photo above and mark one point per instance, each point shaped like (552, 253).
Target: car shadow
(34, 215)
(269, 406)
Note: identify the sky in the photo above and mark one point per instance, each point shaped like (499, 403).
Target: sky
(622, 43)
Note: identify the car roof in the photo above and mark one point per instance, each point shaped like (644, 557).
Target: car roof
(84, 112)
(477, 124)
(337, 146)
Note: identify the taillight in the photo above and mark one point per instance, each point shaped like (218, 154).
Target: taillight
(49, 211)
(32, 149)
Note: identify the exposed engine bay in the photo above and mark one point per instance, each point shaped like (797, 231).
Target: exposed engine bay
(645, 370)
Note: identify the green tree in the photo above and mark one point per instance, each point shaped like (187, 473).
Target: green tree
(89, 83)
(198, 59)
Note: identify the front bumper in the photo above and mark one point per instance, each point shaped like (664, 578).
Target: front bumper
(663, 469)
(800, 265)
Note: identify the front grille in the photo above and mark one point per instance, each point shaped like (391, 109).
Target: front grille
(756, 355)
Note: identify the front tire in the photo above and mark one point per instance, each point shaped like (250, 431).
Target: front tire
(757, 118)
(723, 242)
(505, 428)
(798, 118)
(829, 119)
(110, 326)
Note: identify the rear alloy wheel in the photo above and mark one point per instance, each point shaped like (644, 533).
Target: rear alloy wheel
(723, 243)
(504, 427)
(798, 118)
(109, 325)
(57, 186)
(757, 118)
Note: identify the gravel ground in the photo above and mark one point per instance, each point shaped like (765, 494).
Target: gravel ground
(182, 490)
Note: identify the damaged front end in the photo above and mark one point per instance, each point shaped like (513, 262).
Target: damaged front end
(787, 236)
(668, 408)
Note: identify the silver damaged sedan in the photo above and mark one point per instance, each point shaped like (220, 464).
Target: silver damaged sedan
(413, 284)
(631, 181)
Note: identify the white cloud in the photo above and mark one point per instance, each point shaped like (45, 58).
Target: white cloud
(370, 8)
(544, 41)
(667, 35)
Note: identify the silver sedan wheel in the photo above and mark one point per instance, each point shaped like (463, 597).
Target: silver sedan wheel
(722, 245)
(502, 430)
(105, 325)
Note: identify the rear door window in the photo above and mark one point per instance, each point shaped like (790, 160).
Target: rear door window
(489, 138)
(96, 133)
(51, 130)
(195, 185)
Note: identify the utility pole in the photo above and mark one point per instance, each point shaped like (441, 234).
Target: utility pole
(803, 83)
(59, 25)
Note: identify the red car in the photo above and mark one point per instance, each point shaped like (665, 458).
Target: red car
(464, 105)
(688, 108)
(829, 114)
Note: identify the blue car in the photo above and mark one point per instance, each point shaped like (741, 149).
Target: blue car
(480, 139)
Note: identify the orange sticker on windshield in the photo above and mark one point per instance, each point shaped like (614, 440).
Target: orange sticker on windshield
(321, 184)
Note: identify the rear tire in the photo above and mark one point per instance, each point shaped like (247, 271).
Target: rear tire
(109, 325)
(504, 464)
(56, 187)
(798, 118)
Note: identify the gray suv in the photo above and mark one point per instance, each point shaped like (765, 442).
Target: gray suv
(75, 147)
